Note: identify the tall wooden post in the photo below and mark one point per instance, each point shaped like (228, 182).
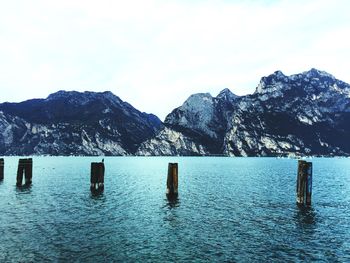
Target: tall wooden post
(25, 166)
(97, 177)
(28, 172)
(300, 182)
(20, 171)
(2, 169)
(172, 181)
(309, 183)
(304, 182)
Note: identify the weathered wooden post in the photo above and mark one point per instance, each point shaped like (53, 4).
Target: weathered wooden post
(25, 166)
(20, 170)
(1, 169)
(97, 177)
(300, 182)
(28, 172)
(172, 181)
(304, 182)
(309, 183)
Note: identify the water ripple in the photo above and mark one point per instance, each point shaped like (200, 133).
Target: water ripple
(228, 210)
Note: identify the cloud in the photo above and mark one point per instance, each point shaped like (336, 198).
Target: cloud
(154, 54)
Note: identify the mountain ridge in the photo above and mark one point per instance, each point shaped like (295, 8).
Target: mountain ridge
(302, 114)
(75, 123)
(286, 115)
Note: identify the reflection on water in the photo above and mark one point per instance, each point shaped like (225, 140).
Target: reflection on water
(24, 189)
(173, 200)
(96, 195)
(171, 217)
(306, 217)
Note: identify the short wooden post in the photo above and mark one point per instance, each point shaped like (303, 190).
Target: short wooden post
(2, 169)
(304, 182)
(172, 181)
(25, 166)
(97, 177)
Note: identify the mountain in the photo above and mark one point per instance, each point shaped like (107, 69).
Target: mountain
(297, 115)
(302, 114)
(74, 123)
(198, 127)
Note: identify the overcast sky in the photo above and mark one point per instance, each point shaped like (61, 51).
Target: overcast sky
(154, 54)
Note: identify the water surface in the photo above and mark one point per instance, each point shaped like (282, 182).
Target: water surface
(228, 210)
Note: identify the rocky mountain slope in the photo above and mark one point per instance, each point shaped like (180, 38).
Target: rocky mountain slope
(198, 127)
(74, 123)
(302, 114)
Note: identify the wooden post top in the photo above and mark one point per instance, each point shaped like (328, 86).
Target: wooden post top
(26, 160)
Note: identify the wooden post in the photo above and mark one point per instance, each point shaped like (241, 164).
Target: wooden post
(172, 181)
(25, 166)
(304, 182)
(97, 177)
(1, 169)
(20, 171)
(300, 194)
(308, 183)
(28, 171)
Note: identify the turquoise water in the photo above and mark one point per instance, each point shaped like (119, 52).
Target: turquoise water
(228, 210)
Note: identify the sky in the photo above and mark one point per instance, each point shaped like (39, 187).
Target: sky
(155, 54)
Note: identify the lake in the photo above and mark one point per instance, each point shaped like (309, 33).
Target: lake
(228, 210)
